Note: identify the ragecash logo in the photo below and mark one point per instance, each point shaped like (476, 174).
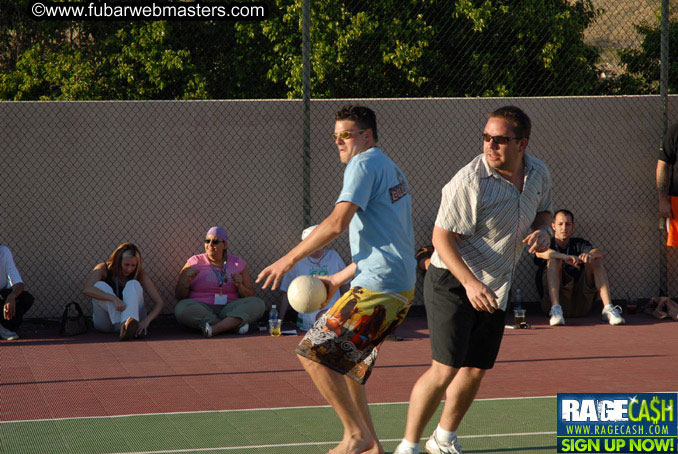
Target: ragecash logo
(602, 423)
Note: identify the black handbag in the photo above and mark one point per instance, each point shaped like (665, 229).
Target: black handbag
(72, 324)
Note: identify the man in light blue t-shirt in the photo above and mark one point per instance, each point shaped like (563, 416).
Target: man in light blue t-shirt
(375, 206)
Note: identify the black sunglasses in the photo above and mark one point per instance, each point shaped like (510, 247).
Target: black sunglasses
(499, 140)
(214, 242)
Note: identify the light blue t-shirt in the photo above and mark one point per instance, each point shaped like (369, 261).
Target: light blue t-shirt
(381, 232)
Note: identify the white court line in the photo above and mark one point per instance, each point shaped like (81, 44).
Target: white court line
(317, 443)
(243, 410)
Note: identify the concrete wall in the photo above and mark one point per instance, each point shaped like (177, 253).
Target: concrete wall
(81, 177)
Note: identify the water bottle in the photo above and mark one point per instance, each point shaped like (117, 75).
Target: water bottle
(517, 300)
(273, 323)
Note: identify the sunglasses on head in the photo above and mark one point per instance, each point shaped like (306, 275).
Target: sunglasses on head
(499, 140)
(344, 135)
(214, 242)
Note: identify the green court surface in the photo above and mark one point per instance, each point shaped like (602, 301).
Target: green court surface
(491, 426)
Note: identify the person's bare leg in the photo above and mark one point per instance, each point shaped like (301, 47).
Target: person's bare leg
(597, 275)
(459, 396)
(359, 398)
(225, 325)
(426, 395)
(332, 385)
(554, 279)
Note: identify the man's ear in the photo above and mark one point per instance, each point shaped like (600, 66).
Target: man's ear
(523, 143)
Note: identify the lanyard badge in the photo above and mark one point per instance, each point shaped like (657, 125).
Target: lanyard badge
(220, 299)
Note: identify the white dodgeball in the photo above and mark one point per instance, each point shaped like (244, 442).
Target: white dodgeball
(306, 294)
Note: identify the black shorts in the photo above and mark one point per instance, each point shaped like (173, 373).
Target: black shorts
(460, 335)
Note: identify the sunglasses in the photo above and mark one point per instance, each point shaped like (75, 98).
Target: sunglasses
(499, 140)
(344, 135)
(214, 242)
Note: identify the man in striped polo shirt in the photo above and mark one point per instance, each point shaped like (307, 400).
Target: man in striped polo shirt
(495, 205)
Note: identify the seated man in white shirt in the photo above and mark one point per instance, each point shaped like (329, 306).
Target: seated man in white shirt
(322, 262)
(14, 299)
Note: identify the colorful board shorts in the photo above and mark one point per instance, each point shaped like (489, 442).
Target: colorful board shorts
(347, 337)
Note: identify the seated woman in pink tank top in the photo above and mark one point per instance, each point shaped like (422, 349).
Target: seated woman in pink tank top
(215, 290)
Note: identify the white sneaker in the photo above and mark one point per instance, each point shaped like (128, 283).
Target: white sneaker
(401, 450)
(557, 315)
(7, 334)
(612, 314)
(206, 330)
(244, 328)
(435, 446)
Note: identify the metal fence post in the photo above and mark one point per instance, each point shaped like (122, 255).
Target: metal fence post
(306, 88)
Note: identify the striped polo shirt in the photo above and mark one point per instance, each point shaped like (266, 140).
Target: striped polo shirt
(491, 218)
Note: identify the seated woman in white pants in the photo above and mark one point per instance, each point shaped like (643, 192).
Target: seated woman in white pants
(117, 291)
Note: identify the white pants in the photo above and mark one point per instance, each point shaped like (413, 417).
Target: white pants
(104, 315)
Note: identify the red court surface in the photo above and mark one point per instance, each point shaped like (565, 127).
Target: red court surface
(47, 376)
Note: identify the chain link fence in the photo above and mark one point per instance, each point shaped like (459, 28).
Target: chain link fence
(82, 177)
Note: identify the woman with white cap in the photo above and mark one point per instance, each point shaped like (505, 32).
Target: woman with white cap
(215, 290)
(322, 262)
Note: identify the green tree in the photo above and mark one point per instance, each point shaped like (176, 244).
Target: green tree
(508, 48)
(233, 57)
(438, 48)
(91, 61)
(130, 60)
(643, 64)
(358, 49)
(383, 48)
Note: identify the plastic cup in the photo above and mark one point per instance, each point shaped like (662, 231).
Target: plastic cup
(519, 315)
(274, 327)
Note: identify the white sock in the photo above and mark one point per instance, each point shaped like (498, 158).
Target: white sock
(408, 444)
(445, 436)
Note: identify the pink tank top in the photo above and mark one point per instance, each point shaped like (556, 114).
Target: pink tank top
(206, 283)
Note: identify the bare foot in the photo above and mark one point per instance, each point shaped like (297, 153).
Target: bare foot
(354, 446)
(375, 449)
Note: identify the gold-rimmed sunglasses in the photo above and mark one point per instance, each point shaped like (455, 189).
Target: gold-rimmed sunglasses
(343, 135)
